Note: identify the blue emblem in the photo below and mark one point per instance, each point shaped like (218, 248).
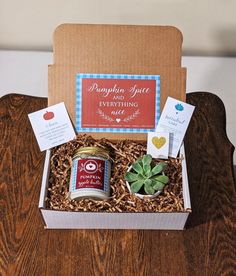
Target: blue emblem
(179, 107)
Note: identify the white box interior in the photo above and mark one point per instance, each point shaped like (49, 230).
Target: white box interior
(99, 220)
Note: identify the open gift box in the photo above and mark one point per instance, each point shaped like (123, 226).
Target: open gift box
(114, 49)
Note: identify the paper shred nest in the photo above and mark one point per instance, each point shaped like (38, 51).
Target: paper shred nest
(123, 153)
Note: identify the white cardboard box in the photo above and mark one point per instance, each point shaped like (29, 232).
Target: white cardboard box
(99, 220)
(157, 51)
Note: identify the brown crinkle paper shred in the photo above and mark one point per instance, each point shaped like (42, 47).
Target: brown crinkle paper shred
(123, 153)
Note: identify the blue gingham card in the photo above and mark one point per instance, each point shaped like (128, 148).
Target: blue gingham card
(117, 103)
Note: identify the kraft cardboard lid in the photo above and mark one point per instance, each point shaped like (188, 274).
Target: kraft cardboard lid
(115, 49)
(117, 45)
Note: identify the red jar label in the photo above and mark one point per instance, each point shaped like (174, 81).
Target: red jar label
(90, 174)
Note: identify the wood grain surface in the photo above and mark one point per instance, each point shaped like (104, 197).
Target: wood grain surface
(206, 247)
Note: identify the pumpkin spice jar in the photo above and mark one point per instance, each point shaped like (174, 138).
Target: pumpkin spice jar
(90, 174)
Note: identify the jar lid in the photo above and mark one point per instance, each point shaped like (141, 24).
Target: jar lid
(96, 151)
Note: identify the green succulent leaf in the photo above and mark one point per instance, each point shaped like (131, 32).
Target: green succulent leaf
(148, 187)
(148, 182)
(136, 186)
(162, 178)
(147, 159)
(131, 177)
(140, 160)
(141, 177)
(147, 170)
(159, 168)
(137, 167)
(149, 174)
(157, 185)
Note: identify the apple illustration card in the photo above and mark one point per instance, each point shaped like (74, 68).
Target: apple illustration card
(158, 144)
(175, 118)
(52, 126)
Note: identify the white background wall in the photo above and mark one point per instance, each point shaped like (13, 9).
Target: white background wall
(208, 26)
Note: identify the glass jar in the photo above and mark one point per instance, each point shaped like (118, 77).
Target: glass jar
(90, 174)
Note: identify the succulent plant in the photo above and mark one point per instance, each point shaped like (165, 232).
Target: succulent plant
(147, 175)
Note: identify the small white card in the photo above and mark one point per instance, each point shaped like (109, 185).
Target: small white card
(52, 126)
(175, 118)
(158, 144)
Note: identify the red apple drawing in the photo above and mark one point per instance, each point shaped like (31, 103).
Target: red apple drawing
(48, 115)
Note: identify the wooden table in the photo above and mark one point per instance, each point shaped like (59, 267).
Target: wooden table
(206, 247)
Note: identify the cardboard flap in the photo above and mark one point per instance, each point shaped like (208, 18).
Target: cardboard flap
(115, 49)
(116, 45)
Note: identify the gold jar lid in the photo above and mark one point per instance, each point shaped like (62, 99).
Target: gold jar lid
(95, 151)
